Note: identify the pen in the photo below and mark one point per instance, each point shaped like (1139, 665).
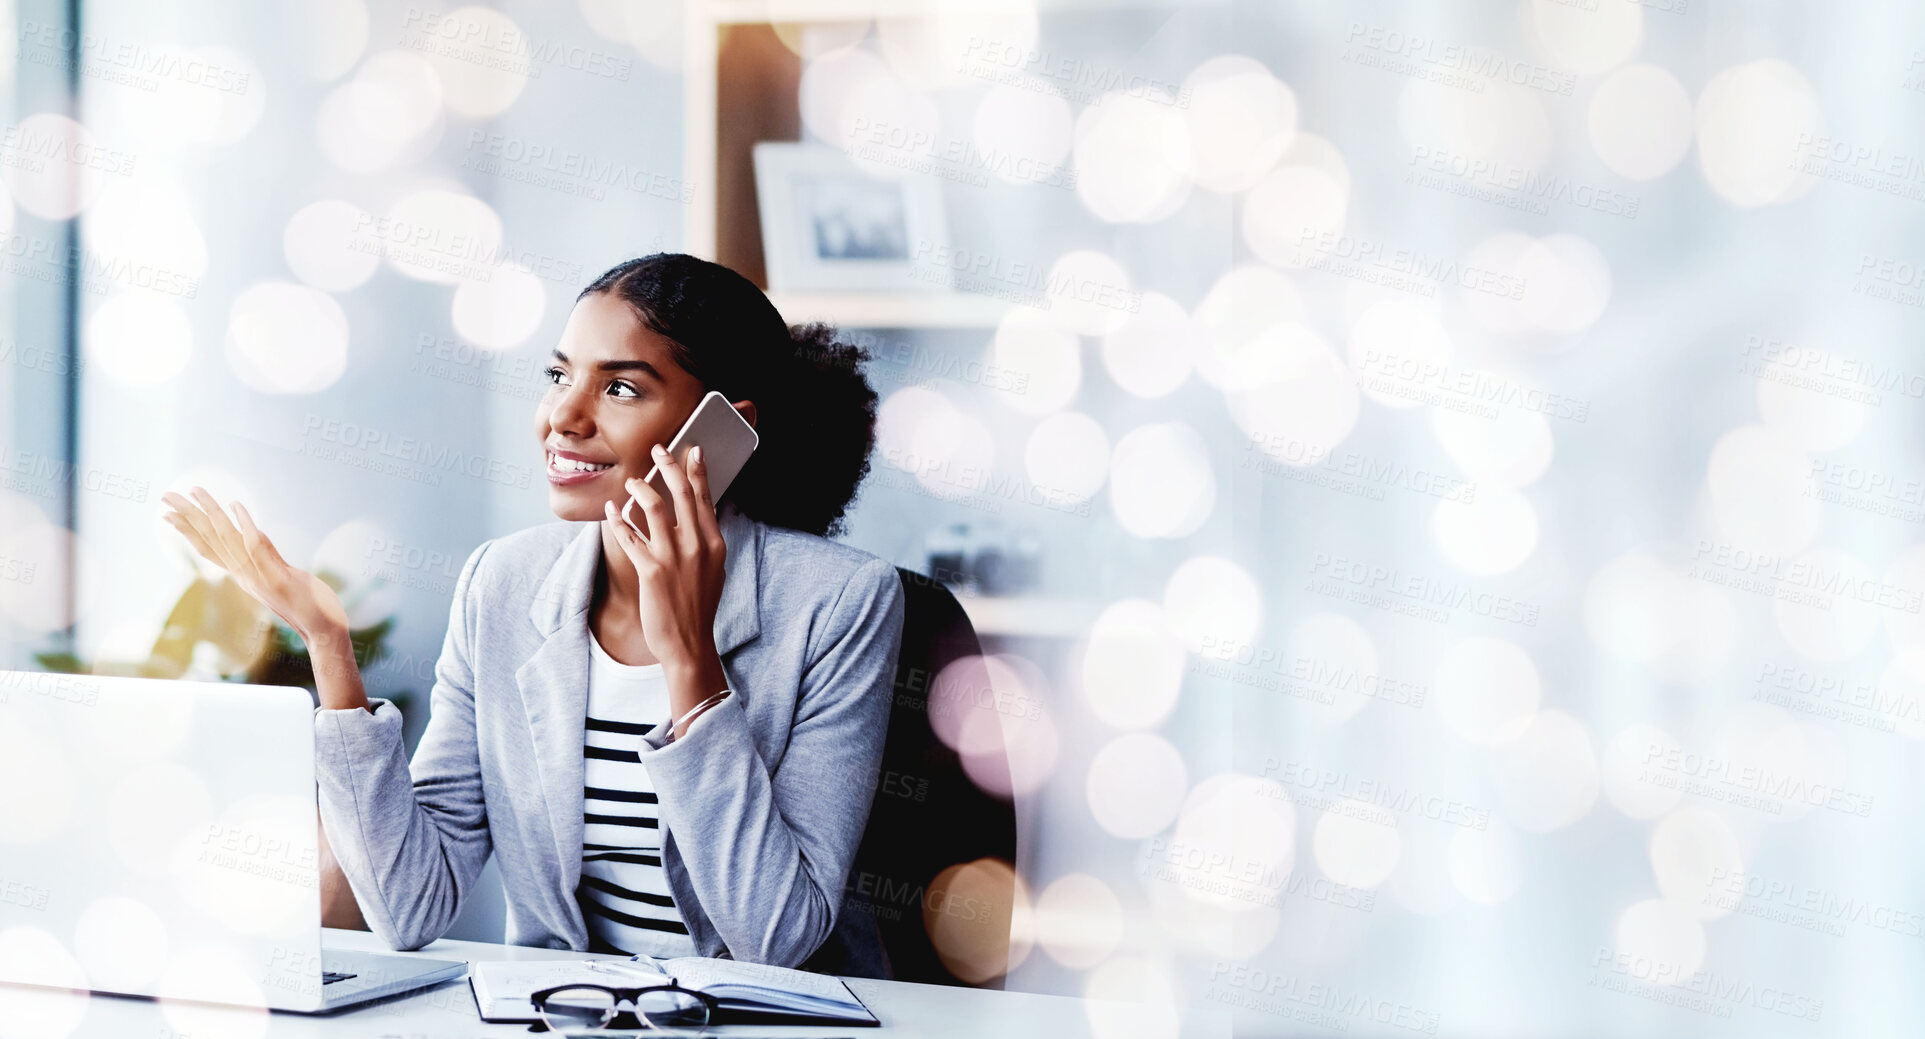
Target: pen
(626, 967)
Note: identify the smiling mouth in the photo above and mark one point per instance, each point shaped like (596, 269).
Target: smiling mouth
(557, 463)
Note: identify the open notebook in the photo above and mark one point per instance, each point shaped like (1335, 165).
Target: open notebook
(748, 993)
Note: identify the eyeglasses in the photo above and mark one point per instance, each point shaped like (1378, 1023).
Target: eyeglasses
(577, 1010)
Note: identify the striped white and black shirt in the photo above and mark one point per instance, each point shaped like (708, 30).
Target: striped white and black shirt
(624, 894)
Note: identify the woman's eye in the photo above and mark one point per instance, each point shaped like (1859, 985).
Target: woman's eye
(554, 375)
(629, 389)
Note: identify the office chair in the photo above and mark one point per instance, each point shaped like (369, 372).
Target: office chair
(927, 814)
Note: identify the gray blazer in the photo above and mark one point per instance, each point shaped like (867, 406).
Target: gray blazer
(763, 801)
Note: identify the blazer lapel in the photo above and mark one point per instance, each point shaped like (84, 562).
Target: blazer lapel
(737, 618)
(554, 680)
(554, 692)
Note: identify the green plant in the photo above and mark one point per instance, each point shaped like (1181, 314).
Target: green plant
(249, 641)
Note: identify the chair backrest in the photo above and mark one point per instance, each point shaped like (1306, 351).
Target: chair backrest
(928, 815)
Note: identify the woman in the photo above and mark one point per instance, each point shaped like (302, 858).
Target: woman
(668, 740)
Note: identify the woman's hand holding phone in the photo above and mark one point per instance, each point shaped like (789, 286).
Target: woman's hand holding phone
(299, 598)
(679, 562)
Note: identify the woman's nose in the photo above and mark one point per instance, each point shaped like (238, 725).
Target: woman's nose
(569, 413)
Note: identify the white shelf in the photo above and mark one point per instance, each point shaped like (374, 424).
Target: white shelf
(727, 12)
(1034, 616)
(736, 12)
(892, 309)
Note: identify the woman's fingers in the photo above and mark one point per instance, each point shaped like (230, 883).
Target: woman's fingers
(632, 544)
(706, 525)
(622, 531)
(194, 540)
(252, 556)
(240, 562)
(655, 510)
(197, 522)
(262, 556)
(256, 542)
(678, 488)
(224, 532)
(698, 480)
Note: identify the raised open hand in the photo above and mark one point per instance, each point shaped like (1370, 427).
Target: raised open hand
(301, 599)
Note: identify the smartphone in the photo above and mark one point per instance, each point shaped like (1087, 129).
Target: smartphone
(726, 438)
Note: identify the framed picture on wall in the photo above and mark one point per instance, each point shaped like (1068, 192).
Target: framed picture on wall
(830, 226)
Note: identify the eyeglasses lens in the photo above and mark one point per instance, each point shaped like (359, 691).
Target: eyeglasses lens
(578, 1010)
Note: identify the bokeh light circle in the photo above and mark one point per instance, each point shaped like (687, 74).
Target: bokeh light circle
(978, 918)
(1302, 405)
(1753, 121)
(1511, 450)
(148, 230)
(1137, 783)
(1396, 346)
(1493, 533)
(1758, 486)
(1067, 457)
(326, 245)
(1162, 483)
(501, 310)
(1660, 942)
(1151, 352)
(1587, 39)
(1639, 609)
(1808, 408)
(1090, 292)
(1123, 168)
(330, 35)
(1548, 774)
(1640, 122)
(1042, 361)
(1078, 920)
(1212, 602)
(1133, 665)
(1695, 856)
(138, 339)
(1024, 132)
(1293, 214)
(286, 338)
(1250, 322)
(1839, 617)
(1356, 843)
(1487, 690)
(482, 72)
(1233, 818)
(1238, 123)
(70, 168)
(121, 943)
(1631, 784)
(439, 235)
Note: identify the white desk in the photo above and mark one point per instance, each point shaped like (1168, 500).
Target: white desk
(447, 1011)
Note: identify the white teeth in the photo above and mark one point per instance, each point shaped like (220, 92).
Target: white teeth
(571, 465)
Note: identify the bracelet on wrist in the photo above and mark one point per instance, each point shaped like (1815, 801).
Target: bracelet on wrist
(693, 712)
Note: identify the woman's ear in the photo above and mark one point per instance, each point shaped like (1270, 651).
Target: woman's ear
(747, 408)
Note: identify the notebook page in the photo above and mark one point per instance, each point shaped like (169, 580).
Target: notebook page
(702, 972)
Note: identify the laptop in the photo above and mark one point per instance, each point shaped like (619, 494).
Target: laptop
(160, 838)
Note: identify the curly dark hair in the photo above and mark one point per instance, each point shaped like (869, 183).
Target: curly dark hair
(815, 410)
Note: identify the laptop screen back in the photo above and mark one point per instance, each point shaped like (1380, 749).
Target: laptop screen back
(159, 838)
